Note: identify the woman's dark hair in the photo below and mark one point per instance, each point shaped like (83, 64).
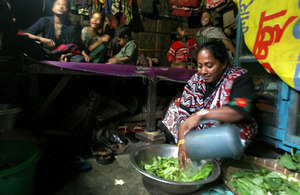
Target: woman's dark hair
(217, 49)
(209, 12)
(123, 31)
(174, 34)
(158, 59)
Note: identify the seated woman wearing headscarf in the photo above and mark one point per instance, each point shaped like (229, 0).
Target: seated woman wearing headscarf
(212, 33)
(218, 92)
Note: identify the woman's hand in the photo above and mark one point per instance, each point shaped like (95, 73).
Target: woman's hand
(49, 42)
(183, 160)
(190, 123)
(64, 57)
(193, 121)
(183, 129)
(105, 38)
(86, 57)
(114, 61)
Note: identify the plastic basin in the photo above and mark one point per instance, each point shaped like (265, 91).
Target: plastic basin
(17, 167)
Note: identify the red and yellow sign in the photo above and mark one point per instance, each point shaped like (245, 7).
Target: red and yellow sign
(272, 33)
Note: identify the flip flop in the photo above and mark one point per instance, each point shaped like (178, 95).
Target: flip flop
(103, 155)
(104, 160)
(117, 148)
(127, 129)
(120, 143)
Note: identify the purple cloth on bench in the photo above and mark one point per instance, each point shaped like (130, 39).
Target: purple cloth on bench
(166, 73)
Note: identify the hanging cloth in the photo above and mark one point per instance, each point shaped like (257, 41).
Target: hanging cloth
(83, 3)
(184, 8)
(108, 4)
(125, 7)
(210, 4)
(116, 6)
(127, 12)
(95, 6)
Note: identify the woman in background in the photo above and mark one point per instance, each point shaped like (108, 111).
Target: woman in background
(95, 40)
(211, 33)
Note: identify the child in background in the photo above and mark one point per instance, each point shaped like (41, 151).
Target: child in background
(129, 53)
(182, 52)
(147, 61)
(95, 40)
(154, 61)
(111, 23)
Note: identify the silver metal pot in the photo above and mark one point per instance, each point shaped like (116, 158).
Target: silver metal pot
(147, 153)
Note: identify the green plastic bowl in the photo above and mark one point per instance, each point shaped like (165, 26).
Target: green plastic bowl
(18, 161)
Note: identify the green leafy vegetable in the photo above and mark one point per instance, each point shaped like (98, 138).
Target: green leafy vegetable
(288, 162)
(168, 168)
(291, 161)
(262, 181)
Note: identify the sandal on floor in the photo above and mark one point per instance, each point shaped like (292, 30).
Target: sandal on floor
(117, 143)
(119, 148)
(127, 129)
(104, 160)
(103, 155)
(120, 144)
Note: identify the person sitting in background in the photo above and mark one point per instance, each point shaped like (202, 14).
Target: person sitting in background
(95, 40)
(111, 23)
(147, 61)
(216, 92)
(182, 52)
(154, 61)
(211, 33)
(55, 31)
(129, 52)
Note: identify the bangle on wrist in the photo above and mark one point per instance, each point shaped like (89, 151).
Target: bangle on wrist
(180, 142)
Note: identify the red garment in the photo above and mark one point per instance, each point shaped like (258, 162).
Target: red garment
(180, 52)
(185, 3)
(67, 48)
(182, 13)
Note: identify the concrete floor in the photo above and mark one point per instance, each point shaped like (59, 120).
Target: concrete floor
(98, 180)
(55, 177)
(101, 178)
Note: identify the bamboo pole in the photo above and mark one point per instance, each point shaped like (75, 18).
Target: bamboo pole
(157, 37)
